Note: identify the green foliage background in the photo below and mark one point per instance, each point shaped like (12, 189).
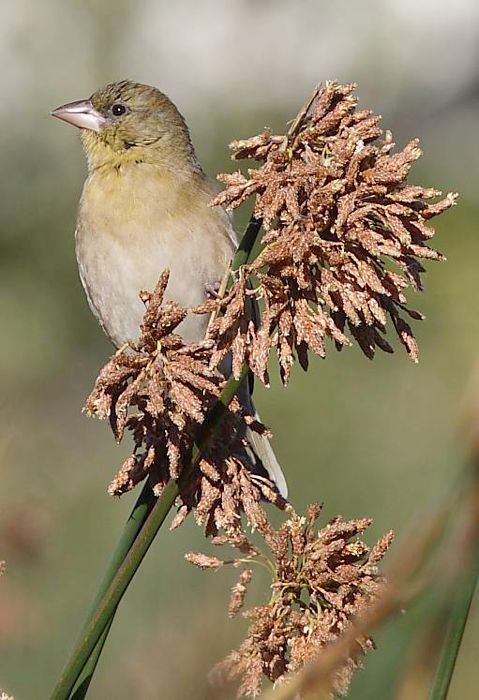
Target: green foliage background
(368, 438)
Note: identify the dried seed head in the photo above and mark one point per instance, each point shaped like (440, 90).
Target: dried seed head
(321, 582)
(160, 389)
(345, 234)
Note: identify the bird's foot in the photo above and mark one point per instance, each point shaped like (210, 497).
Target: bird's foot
(212, 290)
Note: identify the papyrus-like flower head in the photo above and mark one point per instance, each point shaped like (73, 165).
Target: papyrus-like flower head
(345, 232)
(322, 579)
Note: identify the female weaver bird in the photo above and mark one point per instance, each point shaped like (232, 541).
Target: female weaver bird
(145, 208)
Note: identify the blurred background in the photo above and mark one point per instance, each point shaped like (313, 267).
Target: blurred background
(374, 439)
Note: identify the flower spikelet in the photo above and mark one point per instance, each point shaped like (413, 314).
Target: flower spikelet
(345, 232)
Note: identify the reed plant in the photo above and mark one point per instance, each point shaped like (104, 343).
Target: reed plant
(342, 236)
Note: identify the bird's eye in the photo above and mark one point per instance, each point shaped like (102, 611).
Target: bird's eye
(118, 109)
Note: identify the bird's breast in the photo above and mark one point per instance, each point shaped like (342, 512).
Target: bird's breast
(132, 226)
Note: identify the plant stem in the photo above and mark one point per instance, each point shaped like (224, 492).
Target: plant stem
(138, 516)
(245, 248)
(458, 615)
(104, 612)
(84, 679)
(96, 627)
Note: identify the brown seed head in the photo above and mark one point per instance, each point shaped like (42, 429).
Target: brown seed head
(345, 235)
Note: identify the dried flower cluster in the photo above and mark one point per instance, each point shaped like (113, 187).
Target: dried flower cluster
(162, 377)
(321, 581)
(171, 386)
(345, 234)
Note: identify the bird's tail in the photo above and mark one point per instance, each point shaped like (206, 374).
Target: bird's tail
(264, 454)
(261, 456)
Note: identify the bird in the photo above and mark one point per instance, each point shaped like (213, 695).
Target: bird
(145, 207)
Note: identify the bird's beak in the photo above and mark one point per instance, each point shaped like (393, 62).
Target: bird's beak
(81, 114)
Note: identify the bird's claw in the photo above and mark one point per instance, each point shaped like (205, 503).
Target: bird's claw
(212, 289)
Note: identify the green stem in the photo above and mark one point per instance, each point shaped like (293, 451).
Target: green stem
(84, 679)
(458, 615)
(245, 248)
(109, 602)
(139, 514)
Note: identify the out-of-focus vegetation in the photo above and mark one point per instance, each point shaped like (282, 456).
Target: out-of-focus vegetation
(368, 438)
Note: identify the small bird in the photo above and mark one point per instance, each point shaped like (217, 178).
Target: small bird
(145, 208)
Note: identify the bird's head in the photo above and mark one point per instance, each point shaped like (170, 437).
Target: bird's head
(129, 122)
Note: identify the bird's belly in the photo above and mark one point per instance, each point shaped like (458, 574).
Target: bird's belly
(114, 272)
(135, 224)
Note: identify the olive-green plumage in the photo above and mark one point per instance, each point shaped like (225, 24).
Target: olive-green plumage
(145, 208)
(151, 129)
